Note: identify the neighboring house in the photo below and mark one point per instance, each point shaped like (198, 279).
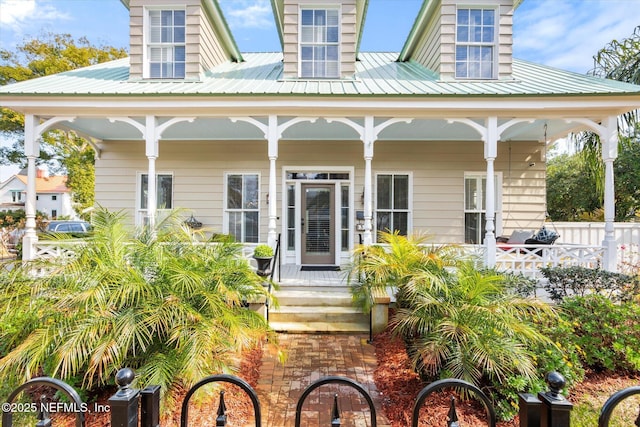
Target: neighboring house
(53, 197)
(322, 143)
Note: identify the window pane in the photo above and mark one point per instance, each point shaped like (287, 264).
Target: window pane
(306, 53)
(463, 34)
(470, 194)
(332, 34)
(178, 35)
(179, 71)
(487, 34)
(251, 192)
(179, 53)
(165, 192)
(251, 227)
(144, 191)
(383, 221)
(307, 34)
(400, 222)
(167, 17)
(471, 228)
(475, 16)
(384, 192)
(234, 192)
(332, 53)
(167, 35)
(154, 34)
(401, 192)
(307, 17)
(461, 53)
(235, 225)
(307, 69)
(320, 18)
(179, 18)
(488, 17)
(463, 16)
(319, 53)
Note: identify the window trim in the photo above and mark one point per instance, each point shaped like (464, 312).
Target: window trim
(498, 201)
(494, 45)
(147, 44)
(140, 212)
(338, 44)
(409, 209)
(226, 210)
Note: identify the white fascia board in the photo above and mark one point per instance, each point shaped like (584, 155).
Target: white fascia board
(231, 106)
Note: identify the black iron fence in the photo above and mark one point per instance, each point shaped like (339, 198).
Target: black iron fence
(130, 407)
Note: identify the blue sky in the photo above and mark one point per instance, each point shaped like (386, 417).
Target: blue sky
(559, 33)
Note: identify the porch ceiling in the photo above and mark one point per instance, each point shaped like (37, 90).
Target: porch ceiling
(210, 128)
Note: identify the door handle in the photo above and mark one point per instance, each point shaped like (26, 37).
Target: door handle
(302, 225)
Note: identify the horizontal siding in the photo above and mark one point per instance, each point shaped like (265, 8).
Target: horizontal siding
(437, 170)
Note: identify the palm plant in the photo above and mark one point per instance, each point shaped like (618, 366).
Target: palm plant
(158, 301)
(456, 320)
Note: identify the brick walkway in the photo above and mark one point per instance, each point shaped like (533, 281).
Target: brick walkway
(309, 358)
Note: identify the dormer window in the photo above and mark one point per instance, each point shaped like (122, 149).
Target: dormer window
(476, 43)
(166, 44)
(319, 43)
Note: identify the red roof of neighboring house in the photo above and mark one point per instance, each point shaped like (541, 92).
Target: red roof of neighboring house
(50, 184)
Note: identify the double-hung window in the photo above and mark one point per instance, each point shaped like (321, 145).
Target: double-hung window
(392, 203)
(476, 43)
(166, 44)
(475, 188)
(242, 206)
(164, 191)
(319, 43)
(164, 194)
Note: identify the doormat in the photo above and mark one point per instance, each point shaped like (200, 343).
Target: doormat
(320, 268)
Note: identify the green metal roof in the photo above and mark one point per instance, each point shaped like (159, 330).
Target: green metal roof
(377, 74)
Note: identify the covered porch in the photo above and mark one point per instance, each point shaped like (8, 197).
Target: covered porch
(354, 207)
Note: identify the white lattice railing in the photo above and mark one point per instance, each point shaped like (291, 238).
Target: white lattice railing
(52, 249)
(519, 259)
(528, 259)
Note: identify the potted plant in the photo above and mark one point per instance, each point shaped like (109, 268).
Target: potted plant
(263, 254)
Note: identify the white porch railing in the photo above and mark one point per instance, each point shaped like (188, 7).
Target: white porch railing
(518, 259)
(528, 259)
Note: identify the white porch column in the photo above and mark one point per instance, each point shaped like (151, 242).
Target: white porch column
(368, 140)
(32, 151)
(490, 154)
(609, 138)
(272, 138)
(151, 150)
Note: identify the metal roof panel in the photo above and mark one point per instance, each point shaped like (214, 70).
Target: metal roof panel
(377, 74)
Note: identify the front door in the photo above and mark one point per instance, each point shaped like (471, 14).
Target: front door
(318, 222)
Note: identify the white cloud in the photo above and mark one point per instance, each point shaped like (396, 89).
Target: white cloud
(568, 33)
(248, 13)
(25, 15)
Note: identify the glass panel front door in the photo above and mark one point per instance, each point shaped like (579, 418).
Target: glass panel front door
(318, 232)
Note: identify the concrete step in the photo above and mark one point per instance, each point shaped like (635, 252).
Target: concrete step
(337, 297)
(320, 327)
(317, 310)
(334, 314)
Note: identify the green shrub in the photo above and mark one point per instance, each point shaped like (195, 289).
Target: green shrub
(263, 251)
(580, 281)
(607, 333)
(154, 300)
(457, 321)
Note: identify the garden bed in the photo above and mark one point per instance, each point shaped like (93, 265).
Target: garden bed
(399, 386)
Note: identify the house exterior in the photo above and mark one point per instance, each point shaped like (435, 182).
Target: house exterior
(322, 144)
(53, 197)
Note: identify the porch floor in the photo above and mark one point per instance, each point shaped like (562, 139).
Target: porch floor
(291, 276)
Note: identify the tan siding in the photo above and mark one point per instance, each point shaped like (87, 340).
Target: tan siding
(437, 171)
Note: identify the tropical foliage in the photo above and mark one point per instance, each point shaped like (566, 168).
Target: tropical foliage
(155, 300)
(456, 320)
